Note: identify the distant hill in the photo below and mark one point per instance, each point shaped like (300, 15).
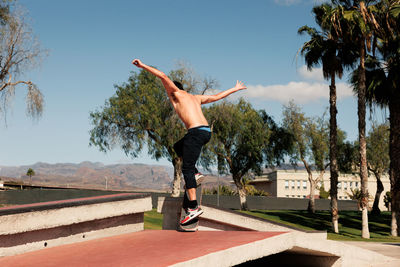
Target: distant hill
(94, 175)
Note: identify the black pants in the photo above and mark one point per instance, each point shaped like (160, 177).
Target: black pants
(189, 148)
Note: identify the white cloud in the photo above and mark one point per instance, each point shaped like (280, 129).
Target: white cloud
(300, 92)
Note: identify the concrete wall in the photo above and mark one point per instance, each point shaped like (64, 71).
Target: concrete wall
(273, 203)
(30, 227)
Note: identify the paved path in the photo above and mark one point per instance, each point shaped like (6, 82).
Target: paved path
(387, 249)
(145, 248)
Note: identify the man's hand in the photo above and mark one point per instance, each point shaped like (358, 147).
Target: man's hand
(137, 63)
(240, 86)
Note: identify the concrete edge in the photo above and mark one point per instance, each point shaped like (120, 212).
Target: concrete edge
(243, 253)
(351, 255)
(42, 219)
(69, 203)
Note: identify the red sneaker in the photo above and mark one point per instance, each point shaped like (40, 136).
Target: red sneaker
(191, 214)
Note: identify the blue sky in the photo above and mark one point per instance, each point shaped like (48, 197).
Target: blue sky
(91, 45)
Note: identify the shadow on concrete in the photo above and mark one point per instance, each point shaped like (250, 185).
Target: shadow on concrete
(295, 257)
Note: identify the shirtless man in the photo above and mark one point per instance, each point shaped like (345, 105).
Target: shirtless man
(188, 108)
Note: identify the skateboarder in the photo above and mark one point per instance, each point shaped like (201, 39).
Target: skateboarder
(188, 108)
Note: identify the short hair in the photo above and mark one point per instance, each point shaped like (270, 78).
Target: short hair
(179, 85)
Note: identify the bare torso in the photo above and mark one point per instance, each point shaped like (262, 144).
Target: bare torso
(188, 108)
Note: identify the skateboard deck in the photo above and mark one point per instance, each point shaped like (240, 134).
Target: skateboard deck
(192, 225)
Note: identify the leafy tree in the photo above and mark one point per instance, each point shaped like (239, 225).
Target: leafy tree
(140, 114)
(323, 193)
(310, 145)
(4, 11)
(347, 156)
(387, 199)
(30, 173)
(280, 142)
(356, 195)
(20, 51)
(224, 190)
(250, 189)
(326, 49)
(236, 146)
(378, 158)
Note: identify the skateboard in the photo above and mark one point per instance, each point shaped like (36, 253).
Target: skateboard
(192, 225)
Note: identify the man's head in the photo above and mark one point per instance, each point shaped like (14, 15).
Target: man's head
(178, 84)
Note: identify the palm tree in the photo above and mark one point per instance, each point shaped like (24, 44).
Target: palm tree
(30, 173)
(354, 22)
(383, 86)
(325, 48)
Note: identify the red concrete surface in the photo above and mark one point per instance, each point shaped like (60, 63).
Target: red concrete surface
(145, 248)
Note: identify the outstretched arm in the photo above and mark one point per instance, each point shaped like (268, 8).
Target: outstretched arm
(205, 99)
(168, 84)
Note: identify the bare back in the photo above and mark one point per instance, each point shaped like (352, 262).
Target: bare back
(188, 108)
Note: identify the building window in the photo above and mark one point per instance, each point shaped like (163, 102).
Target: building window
(287, 195)
(298, 196)
(351, 185)
(356, 184)
(298, 184)
(286, 184)
(345, 185)
(304, 184)
(340, 197)
(292, 184)
(345, 197)
(304, 196)
(339, 185)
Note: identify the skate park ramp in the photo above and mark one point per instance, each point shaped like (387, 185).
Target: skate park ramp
(253, 242)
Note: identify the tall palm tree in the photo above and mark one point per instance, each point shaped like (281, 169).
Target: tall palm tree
(354, 22)
(326, 49)
(383, 87)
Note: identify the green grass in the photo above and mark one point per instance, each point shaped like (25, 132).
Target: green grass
(153, 220)
(349, 223)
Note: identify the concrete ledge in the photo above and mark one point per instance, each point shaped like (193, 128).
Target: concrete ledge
(30, 227)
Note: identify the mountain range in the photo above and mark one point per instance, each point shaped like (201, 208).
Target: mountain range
(99, 176)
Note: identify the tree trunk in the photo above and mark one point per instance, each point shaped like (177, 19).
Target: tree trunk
(333, 154)
(379, 190)
(176, 184)
(394, 151)
(311, 202)
(362, 141)
(242, 193)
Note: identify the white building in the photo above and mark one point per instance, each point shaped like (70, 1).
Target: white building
(295, 184)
